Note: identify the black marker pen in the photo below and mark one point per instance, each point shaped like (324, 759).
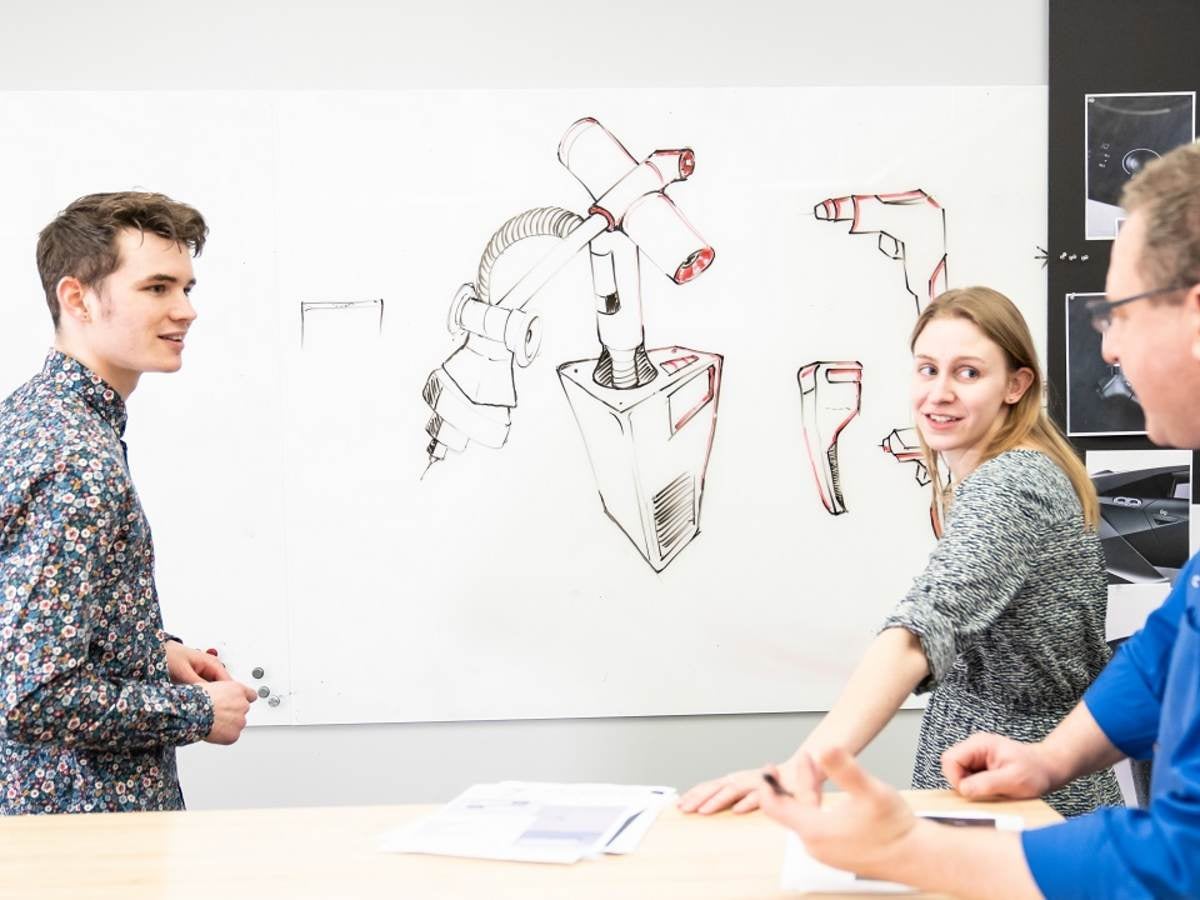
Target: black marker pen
(779, 789)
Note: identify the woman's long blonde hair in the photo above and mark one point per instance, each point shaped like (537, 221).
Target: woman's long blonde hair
(1025, 422)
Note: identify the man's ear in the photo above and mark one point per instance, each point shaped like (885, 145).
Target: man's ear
(72, 294)
(1191, 319)
(1018, 384)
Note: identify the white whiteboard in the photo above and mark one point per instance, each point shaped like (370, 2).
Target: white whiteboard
(292, 526)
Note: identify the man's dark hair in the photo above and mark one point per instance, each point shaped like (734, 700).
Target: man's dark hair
(82, 239)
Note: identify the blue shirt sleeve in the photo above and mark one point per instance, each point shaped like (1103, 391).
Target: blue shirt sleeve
(1149, 696)
(1115, 853)
(1126, 700)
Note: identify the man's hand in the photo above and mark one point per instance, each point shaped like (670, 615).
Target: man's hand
(739, 790)
(230, 701)
(988, 765)
(187, 665)
(865, 832)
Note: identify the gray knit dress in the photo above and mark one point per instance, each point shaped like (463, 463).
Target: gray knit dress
(1010, 613)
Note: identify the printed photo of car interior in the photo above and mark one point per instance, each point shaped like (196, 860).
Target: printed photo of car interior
(1144, 519)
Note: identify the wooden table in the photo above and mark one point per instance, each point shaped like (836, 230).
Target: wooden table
(330, 853)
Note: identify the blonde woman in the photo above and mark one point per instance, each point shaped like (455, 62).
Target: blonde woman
(1005, 626)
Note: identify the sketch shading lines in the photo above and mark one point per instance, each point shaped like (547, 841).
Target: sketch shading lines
(675, 511)
(912, 229)
(830, 397)
(639, 411)
(649, 446)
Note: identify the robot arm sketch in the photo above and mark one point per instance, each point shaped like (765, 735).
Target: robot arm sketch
(830, 396)
(912, 229)
(647, 416)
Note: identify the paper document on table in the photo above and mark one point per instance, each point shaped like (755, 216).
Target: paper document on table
(649, 800)
(803, 873)
(535, 822)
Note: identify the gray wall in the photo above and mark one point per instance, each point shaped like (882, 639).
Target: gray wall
(300, 44)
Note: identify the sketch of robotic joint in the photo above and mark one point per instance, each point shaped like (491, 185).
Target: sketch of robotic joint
(911, 228)
(904, 444)
(830, 397)
(518, 331)
(630, 216)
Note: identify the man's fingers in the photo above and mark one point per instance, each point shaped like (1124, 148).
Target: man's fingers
(844, 771)
(966, 758)
(808, 783)
(217, 672)
(249, 692)
(187, 675)
(784, 810)
(983, 784)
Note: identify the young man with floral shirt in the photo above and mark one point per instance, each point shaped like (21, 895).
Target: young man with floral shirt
(94, 695)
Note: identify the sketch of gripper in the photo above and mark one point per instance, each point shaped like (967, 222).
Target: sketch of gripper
(904, 445)
(912, 229)
(830, 396)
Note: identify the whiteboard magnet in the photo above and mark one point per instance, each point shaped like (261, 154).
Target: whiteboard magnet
(257, 672)
(264, 691)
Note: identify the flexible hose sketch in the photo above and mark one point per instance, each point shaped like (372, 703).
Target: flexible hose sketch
(545, 221)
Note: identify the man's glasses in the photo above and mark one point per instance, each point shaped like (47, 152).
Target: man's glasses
(1100, 309)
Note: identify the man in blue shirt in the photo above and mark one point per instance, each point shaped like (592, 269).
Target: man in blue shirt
(1147, 699)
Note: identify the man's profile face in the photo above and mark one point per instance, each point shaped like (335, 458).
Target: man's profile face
(1152, 344)
(141, 312)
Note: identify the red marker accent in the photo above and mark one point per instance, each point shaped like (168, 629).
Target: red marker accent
(211, 652)
(687, 163)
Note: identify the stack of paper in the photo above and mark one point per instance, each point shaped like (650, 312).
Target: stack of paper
(535, 822)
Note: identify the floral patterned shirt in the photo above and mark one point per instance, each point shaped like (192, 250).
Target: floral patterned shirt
(89, 718)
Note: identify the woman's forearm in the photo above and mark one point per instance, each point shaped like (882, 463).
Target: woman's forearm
(892, 667)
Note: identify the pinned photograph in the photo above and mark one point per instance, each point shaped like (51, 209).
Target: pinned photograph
(1145, 528)
(1100, 399)
(1124, 132)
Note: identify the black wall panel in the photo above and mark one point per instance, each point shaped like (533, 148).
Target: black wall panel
(1101, 46)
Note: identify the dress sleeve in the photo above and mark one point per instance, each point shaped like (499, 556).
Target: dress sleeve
(51, 565)
(978, 566)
